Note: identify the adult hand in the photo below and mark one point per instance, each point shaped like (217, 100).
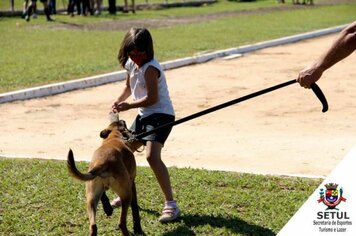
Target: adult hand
(309, 76)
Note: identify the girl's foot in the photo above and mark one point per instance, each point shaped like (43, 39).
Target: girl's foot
(169, 215)
(170, 212)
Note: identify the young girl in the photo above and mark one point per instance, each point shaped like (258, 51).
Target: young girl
(146, 83)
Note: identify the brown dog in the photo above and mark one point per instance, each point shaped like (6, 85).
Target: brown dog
(112, 166)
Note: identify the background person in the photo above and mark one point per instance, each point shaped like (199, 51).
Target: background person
(24, 11)
(33, 5)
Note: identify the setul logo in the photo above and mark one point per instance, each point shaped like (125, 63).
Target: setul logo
(332, 196)
(331, 219)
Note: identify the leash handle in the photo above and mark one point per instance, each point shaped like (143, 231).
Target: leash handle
(314, 87)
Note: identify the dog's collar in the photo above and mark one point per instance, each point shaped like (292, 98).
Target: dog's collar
(129, 136)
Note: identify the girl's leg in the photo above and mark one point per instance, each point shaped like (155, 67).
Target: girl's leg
(153, 154)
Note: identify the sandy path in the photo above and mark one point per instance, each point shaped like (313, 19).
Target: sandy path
(283, 132)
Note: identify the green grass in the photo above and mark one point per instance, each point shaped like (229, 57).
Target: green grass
(39, 198)
(34, 54)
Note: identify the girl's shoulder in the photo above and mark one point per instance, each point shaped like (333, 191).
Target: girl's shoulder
(153, 63)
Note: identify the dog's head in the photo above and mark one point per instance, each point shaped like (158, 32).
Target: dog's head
(117, 127)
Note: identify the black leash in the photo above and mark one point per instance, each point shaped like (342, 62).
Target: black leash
(314, 87)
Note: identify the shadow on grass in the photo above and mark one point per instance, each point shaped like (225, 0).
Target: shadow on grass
(69, 24)
(232, 224)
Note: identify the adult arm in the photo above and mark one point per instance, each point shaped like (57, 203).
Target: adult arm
(342, 47)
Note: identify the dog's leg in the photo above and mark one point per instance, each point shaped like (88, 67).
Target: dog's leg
(94, 191)
(124, 209)
(135, 211)
(122, 187)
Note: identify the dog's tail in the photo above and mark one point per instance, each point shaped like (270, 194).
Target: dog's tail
(74, 172)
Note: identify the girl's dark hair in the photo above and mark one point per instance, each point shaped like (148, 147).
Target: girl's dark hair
(136, 38)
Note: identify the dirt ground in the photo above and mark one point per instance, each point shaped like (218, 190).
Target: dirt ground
(283, 132)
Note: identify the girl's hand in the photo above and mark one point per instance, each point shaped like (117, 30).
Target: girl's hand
(120, 106)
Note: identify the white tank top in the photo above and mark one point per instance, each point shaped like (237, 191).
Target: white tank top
(139, 90)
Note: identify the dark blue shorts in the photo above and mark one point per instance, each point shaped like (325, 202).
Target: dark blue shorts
(150, 122)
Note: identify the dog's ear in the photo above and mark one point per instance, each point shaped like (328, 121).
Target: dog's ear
(122, 124)
(105, 133)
